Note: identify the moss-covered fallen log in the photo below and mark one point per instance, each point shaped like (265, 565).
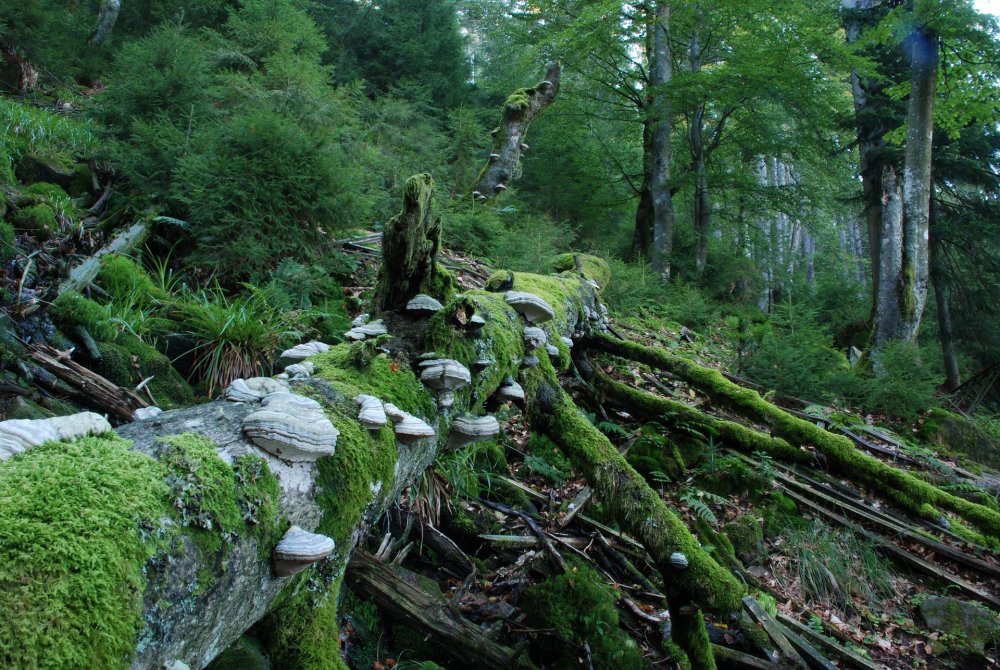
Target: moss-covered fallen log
(837, 451)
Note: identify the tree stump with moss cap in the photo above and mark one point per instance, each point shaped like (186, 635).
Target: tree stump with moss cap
(520, 109)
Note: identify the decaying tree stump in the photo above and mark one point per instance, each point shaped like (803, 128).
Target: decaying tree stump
(410, 244)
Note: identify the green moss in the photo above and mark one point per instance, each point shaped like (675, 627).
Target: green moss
(127, 282)
(839, 451)
(244, 654)
(302, 628)
(518, 101)
(746, 536)
(562, 292)
(690, 634)
(129, 361)
(960, 435)
(441, 284)
(590, 267)
(579, 607)
(7, 248)
(630, 499)
(78, 521)
(211, 499)
(381, 376)
(39, 220)
(500, 340)
(71, 309)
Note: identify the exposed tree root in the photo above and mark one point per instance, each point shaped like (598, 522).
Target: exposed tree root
(839, 452)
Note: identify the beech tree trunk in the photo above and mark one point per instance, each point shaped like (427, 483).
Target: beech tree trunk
(942, 297)
(663, 206)
(904, 265)
(105, 22)
(696, 140)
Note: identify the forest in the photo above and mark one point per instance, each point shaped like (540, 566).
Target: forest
(541, 334)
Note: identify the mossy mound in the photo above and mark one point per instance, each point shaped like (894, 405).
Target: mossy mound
(71, 309)
(746, 535)
(580, 608)
(38, 220)
(129, 361)
(589, 266)
(127, 282)
(960, 435)
(969, 628)
(78, 522)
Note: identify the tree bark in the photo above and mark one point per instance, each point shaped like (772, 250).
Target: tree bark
(410, 244)
(904, 268)
(696, 141)
(105, 22)
(663, 206)
(520, 109)
(942, 297)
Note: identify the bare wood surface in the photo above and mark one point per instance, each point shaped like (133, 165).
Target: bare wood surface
(774, 631)
(95, 389)
(84, 273)
(832, 646)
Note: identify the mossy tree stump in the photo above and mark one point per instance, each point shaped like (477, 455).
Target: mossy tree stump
(410, 245)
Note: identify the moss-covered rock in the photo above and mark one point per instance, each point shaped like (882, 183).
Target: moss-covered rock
(960, 435)
(969, 627)
(579, 607)
(128, 361)
(747, 537)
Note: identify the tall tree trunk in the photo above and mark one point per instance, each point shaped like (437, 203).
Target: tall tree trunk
(663, 206)
(696, 140)
(642, 239)
(942, 297)
(105, 22)
(870, 140)
(904, 275)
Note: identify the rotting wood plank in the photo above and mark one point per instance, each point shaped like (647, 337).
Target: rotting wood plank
(774, 632)
(888, 524)
(737, 659)
(832, 646)
(813, 657)
(899, 553)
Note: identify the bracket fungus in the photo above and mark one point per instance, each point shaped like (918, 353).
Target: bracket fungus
(298, 549)
(445, 376)
(553, 350)
(394, 413)
(291, 427)
(534, 337)
(372, 415)
(423, 305)
(410, 429)
(300, 352)
(254, 389)
(468, 429)
(360, 320)
(371, 329)
(678, 561)
(19, 435)
(147, 413)
(510, 390)
(530, 306)
(303, 370)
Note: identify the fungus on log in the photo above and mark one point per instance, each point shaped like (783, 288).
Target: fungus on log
(520, 109)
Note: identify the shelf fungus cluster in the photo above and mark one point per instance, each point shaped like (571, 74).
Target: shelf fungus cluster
(287, 425)
(408, 428)
(19, 435)
(301, 352)
(534, 309)
(298, 549)
(372, 414)
(445, 376)
(468, 429)
(367, 330)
